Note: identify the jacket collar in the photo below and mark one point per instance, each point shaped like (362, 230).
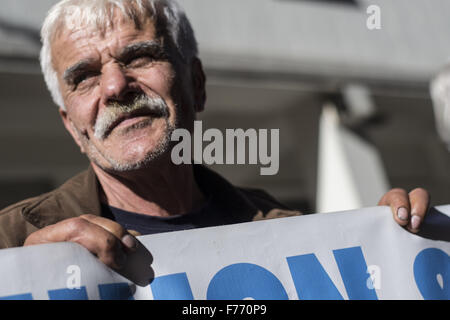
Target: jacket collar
(78, 196)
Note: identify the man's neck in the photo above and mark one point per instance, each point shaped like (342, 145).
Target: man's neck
(156, 191)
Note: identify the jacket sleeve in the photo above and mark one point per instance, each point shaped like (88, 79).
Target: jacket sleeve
(14, 229)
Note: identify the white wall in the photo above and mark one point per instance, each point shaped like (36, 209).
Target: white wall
(296, 36)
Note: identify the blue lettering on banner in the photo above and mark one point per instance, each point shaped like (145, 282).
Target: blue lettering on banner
(115, 291)
(312, 282)
(25, 296)
(172, 287)
(430, 263)
(353, 269)
(245, 280)
(68, 294)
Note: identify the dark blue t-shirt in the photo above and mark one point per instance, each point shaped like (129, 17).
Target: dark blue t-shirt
(207, 215)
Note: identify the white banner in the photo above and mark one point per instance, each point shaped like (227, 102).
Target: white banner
(361, 254)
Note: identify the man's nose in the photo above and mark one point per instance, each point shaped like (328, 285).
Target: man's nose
(115, 85)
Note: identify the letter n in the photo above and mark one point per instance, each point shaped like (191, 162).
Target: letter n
(313, 283)
(353, 269)
(311, 280)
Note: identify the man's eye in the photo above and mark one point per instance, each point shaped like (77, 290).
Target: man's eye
(83, 77)
(139, 61)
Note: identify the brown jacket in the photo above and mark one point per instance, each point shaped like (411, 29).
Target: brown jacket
(80, 195)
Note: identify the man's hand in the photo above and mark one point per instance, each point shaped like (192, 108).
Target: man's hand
(104, 238)
(409, 209)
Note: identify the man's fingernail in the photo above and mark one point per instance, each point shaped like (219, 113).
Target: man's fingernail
(402, 214)
(129, 241)
(415, 221)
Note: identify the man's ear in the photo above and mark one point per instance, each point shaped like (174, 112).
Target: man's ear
(71, 128)
(199, 83)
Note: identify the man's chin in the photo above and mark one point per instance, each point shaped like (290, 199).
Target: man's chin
(134, 153)
(136, 163)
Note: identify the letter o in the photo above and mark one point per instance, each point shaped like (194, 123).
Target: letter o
(243, 280)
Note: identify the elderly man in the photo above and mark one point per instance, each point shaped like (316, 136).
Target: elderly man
(125, 74)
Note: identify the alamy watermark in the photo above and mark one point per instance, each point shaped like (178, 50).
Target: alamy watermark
(74, 278)
(373, 22)
(374, 280)
(236, 146)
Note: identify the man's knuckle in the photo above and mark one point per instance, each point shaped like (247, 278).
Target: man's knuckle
(76, 225)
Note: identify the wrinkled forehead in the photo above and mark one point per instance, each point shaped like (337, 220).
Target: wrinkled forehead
(79, 37)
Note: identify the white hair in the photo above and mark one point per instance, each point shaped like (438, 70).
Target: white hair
(99, 15)
(440, 95)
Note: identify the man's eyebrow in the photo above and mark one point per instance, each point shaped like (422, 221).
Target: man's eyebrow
(152, 47)
(73, 71)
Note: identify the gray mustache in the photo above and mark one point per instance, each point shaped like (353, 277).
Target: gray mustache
(112, 114)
